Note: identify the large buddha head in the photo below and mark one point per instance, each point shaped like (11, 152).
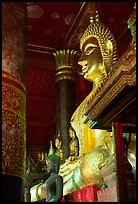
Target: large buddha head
(99, 52)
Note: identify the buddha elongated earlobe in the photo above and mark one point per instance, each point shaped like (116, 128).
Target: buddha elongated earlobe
(108, 55)
(108, 48)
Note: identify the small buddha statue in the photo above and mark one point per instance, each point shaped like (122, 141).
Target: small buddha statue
(59, 151)
(50, 190)
(51, 149)
(73, 145)
(54, 184)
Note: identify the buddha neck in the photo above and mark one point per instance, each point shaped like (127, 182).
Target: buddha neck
(97, 83)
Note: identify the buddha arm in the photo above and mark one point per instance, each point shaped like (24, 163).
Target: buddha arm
(58, 192)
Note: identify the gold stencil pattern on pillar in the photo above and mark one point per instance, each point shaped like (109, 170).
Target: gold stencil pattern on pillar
(13, 127)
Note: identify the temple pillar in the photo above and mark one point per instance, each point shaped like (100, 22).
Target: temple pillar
(122, 187)
(65, 83)
(13, 100)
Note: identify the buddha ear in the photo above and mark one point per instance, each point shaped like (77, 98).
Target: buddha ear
(108, 54)
(108, 48)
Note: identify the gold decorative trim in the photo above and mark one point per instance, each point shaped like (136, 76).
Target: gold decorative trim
(62, 76)
(9, 109)
(17, 105)
(112, 93)
(124, 67)
(8, 76)
(65, 67)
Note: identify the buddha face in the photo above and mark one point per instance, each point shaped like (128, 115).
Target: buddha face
(91, 60)
(52, 166)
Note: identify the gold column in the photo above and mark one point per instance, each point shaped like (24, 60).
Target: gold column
(13, 100)
(65, 60)
(65, 81)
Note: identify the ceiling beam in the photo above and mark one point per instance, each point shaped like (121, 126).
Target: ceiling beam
(80, 23)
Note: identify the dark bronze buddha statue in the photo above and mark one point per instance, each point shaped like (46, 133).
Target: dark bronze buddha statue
(54, 184)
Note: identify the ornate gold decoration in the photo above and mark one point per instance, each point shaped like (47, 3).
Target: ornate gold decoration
(34, 12)
(97, 30)
(13, 127)
(125, 72)
(65, 64)
(6, 76)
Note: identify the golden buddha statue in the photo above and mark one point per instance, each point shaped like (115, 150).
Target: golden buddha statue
(84, 170)
(98, 57)
(73, 145)
(59, 151)
(98, 47)
(51, 149)
(99, 54)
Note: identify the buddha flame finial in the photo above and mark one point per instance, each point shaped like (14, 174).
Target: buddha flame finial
(94, 18)
(51, 149)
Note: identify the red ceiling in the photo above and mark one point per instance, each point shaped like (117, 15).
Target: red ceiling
(41, 86)
(50, 29)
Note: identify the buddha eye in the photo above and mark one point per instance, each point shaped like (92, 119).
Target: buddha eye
(89, 51)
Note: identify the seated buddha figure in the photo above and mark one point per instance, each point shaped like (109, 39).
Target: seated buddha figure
(58, 145)
(73, 145)
(99, 54)
(50, 189)
(54, 184)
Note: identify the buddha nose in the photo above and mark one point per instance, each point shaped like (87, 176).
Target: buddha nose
(82, 61)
